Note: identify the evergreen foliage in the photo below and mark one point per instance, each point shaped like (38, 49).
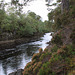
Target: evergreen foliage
(19, 24)
(59, 57)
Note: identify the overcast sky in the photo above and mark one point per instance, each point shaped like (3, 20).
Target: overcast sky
(37, 6)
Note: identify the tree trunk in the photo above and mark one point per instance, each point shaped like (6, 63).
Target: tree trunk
(64, 5)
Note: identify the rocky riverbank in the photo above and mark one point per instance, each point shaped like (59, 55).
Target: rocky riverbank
(7, 48)
(7, 44)
(18, 72)
(58, 58)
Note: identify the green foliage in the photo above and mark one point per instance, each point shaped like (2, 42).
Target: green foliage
(30, 25)
(45, 55)
(21, 25)
(46, 69)
(49, 25)
(28, 65)
(65, 18)
(54, 48)
(55, 58)
(36, 56)
(57, 23)
(58, 0)
(57, 20)
(69, 51)
(62, 20)
(72, 36)
(2, 15)
(9, 23)
(36, 68)
(50, 15)
(57, 40)
(62, 57)
(67, 59)
(32, 14)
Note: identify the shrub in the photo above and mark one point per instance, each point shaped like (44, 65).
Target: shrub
(40, 50)
(72, 72)
(36, 68)
(72, 36)
(65, 18)
(36, 56)
(34, 65)
(54, 48)
(42, 56)
(64, 47)
(27, 70)
(34, 61)
(45, 55)
(57, 40)
(55, 57)
(46, 69)
(58, 23)
(69, 50)
(28, 65)
(62, 53)
(70, 63)
(45, 50)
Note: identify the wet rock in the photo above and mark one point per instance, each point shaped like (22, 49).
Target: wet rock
(6, 36)
(18, 72)
(13, 73)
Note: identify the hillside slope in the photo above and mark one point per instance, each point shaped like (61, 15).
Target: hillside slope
(59, 57)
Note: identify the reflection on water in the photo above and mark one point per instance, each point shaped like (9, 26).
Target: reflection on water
(26, 51)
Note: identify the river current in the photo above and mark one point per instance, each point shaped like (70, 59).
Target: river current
(24, 55)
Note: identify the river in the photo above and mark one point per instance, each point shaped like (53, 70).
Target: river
(24, 55)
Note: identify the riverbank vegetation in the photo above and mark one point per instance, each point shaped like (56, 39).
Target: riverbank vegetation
(59, 57)
(16, 24)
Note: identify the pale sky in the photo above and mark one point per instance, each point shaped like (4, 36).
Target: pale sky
(37, 6)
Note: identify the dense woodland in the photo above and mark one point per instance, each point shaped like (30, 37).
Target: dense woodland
(18, 24)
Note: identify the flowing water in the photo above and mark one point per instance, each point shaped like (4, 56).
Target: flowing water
(24, 55)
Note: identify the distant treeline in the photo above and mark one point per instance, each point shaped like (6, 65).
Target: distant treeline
(20, 24)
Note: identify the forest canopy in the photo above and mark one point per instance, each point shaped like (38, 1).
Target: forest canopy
(17, 23)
